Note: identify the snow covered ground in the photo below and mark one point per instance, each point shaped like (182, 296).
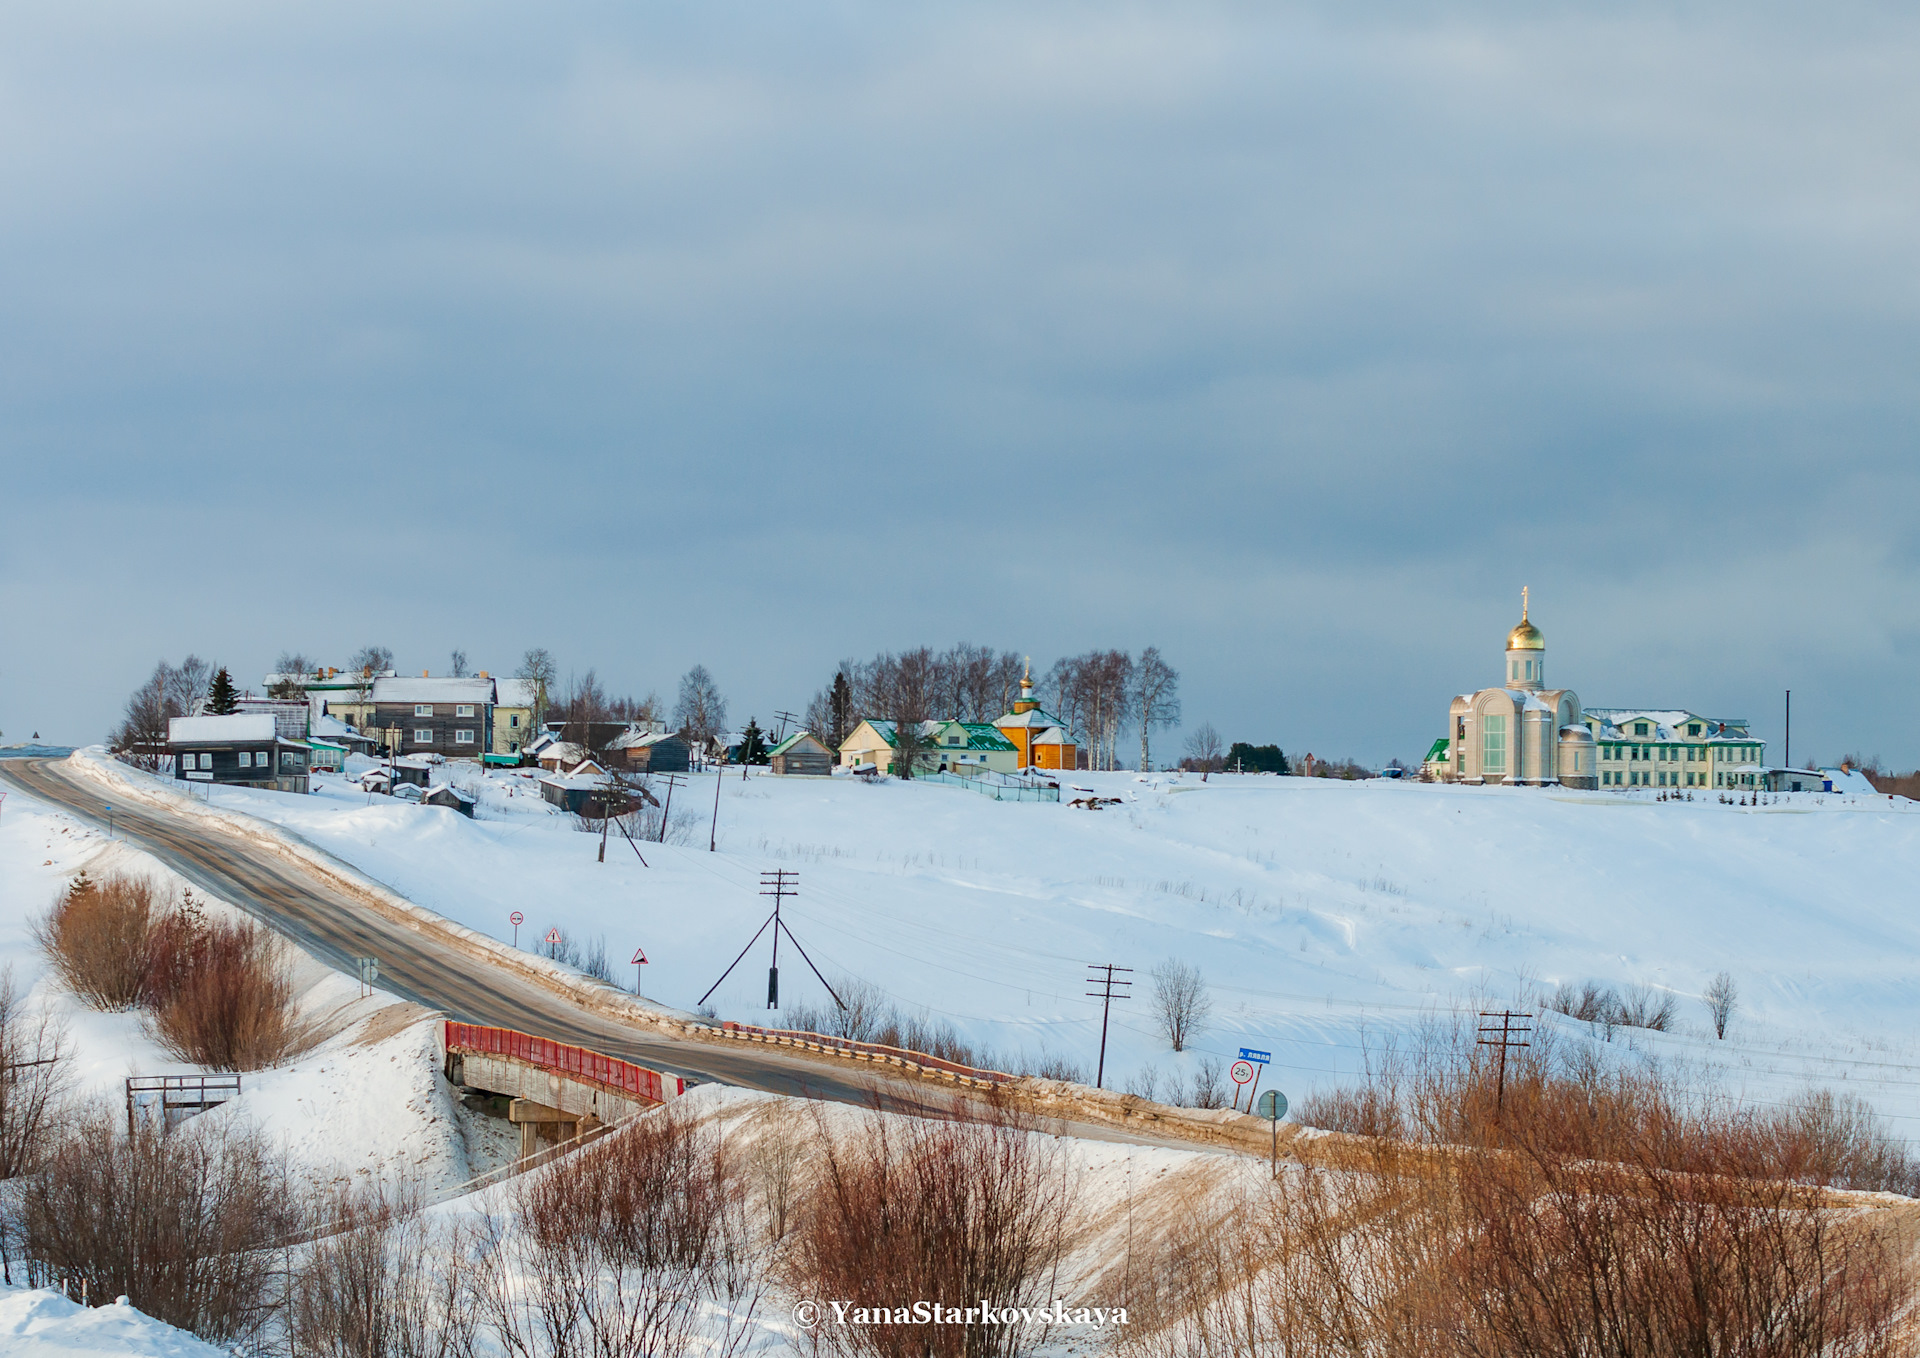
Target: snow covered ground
(1324, 915)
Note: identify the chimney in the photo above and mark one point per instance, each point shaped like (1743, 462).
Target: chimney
(485, 675)
(425, 675)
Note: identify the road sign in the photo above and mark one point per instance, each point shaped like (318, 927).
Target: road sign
(639, 957)
(369, 969)
(516, 919)
(1242, 1071)
(1273, 1105)
(1249, 1054)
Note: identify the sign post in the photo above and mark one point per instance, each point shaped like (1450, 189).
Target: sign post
(1259, 1059)
(109, 822)
(639, 961)
(1273, 1107)
(1242, 1071)
(369, 968)
(553, 944)
(517, 920)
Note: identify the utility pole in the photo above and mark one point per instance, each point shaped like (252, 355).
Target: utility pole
(1787, 759)
(713, 834)
(1511, 1032)
(779, 885)
(1111, 989)
(785, 717)
(670, 779)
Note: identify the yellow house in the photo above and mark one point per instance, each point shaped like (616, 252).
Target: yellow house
(1040, 739)
(872, 742)
(513, 703)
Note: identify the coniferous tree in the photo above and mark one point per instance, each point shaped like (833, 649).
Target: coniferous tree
(842, 708)
(753, 744)
(222, 698)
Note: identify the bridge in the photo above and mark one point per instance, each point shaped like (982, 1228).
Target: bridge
(556, 1091)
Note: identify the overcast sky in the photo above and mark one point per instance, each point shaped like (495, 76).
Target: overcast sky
(1291, 342)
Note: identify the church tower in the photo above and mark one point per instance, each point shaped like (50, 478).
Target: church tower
(1526, 653)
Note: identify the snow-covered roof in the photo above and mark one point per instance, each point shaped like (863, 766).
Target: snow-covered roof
(425, 690)
(514, 692)
(1056, 736)
(794, 740)
(1038, 716)
(209, 730)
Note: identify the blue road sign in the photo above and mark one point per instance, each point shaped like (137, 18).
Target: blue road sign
(1273, 1105)
(1249, 1054)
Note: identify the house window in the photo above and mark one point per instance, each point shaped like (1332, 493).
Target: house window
(1694, 729)
(1639, 728)
(423, 736)
(206, 760)
(1493, 757)
(463, 710)
(423, 709)
(463, 737)
(246, 758)
(513, 720)
(953, 740)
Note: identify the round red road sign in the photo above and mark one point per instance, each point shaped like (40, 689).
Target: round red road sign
(516, 919)
(1242, 1071)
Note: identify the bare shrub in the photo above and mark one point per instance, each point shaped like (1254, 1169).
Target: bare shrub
(34, 1062)
(1050, 1066)
(1208, 1090)
(220, 993)
(950, 1211)
(595, 962)
(621, 1243)
(1644, 1007)
(780, 1148)
(1598, 1213)
(382, 1283)
(1640, 1006)
(96, 937)
(1838, 1141)
(182, 1223)
(1180, 1001)
(1720, 997)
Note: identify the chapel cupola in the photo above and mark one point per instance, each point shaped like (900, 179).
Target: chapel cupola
(1526, 652)
(1026, 702)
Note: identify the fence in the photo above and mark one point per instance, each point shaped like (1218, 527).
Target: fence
(177, 1096)
(610, 1071)
(997, 786)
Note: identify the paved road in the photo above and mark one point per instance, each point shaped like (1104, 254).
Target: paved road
(336, 926)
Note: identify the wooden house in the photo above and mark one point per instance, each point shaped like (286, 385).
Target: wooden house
(1041, 739)
(652, 752)
(447, 717)
(801, 753)
(240, 750)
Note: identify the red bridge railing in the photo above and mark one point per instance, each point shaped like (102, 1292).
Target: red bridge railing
(621, 1076)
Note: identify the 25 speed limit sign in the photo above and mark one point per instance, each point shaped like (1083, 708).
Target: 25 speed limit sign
(1242, 1071)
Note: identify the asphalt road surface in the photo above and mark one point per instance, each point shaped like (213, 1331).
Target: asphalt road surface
(336, 926)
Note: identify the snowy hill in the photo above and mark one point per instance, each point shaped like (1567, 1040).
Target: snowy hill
(1323, 914)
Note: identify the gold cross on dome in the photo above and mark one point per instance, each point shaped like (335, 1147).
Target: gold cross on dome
(1523, 603)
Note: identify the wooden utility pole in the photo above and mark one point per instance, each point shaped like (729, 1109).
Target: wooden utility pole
(670, 779)
(1111, 989)
(1512, 1030)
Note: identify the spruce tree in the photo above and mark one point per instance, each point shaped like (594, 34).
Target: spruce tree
(221, 697)
(753, 744)
(842, 705)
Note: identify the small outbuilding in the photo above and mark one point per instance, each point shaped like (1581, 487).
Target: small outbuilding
(239, 750)
(652, 752)
(802, 753)
(452, 798)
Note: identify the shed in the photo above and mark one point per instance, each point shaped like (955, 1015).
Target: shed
(653, 752)
(802, 753)
(452, 798)
(586, 792)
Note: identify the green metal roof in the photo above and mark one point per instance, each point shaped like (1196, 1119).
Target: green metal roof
(1439, 749)
(984, 735)
(795, 739)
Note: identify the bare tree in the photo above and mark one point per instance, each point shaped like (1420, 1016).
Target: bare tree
(1181, 1001)
(538, 669)
(1155, 699)
(141, 737)
(34, 1062)
(289, 670)
(1721, 996)
(1204, 748)
(457, 664)
(700, 714)
(365, 665)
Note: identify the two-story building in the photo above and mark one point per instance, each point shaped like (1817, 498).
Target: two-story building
(514, 701)
(1657, 747)
(448, 717)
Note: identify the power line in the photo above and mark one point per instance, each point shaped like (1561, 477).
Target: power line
(1107, 982)
(779, 884)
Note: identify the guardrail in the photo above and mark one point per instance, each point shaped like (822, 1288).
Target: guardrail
(873, 1051)
(623, 1077)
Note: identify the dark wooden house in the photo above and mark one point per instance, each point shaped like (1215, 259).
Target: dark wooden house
(450, 797)
(238, 750)
(448, 717)
(652, 752)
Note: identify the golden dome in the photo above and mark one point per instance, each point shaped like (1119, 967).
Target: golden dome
(1526, 637)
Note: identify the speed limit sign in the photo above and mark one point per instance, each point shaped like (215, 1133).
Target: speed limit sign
(1242, 1071)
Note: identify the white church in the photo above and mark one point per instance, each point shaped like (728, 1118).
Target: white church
(1522, 732)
